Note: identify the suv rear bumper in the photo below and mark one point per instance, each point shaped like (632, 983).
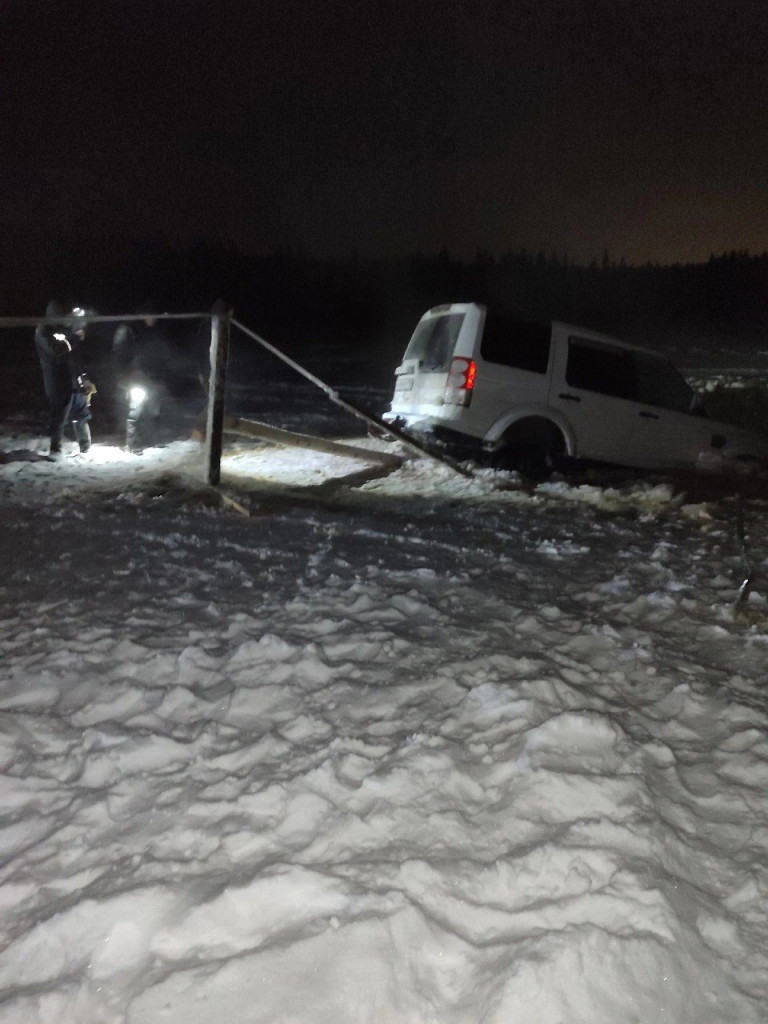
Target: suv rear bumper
(454, 443)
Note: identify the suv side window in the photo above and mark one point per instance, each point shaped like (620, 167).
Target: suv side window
(659, 383)
(513, 343)
(594, 366)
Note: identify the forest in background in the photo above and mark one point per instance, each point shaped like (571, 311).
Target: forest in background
(287, 295)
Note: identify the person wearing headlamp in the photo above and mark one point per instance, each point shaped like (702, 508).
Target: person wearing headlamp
(68, 389)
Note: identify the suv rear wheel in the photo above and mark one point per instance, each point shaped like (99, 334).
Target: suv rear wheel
(531, 446)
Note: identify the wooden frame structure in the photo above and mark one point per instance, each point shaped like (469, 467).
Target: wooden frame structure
(221, 317)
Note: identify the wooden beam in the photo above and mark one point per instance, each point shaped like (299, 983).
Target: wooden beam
(274, 435)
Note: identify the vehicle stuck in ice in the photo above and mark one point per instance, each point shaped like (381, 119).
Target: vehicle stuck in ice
(520, 395)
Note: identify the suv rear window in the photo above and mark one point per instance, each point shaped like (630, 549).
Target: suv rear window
(433, 341)
(514, 343)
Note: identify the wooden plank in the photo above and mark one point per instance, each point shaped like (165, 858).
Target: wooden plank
(274, 435)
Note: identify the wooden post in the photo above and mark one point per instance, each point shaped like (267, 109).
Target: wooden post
(214, 430)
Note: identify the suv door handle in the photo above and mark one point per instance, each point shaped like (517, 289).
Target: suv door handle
(649, 415)
(569, 398)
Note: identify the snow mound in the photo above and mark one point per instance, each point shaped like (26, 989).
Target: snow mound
(422, 748)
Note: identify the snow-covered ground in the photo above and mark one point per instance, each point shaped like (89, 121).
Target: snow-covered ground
(415, 749)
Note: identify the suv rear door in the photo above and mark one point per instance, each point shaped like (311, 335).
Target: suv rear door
(594, 387)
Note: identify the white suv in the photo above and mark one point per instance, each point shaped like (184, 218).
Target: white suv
(521, 395)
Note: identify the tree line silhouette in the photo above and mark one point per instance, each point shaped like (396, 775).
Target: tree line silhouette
(358, 299)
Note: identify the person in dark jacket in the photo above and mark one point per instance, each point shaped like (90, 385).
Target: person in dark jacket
(67, 388)
(143, 361)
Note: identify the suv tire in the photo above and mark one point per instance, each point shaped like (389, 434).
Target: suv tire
(533, 447)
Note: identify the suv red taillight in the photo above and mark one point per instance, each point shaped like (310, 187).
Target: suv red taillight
(461, 381)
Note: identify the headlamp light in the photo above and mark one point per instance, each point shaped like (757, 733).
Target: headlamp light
(137, 394)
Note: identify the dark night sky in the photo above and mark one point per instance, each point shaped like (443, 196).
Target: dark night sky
(390, 126)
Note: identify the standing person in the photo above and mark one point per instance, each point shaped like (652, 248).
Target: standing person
(67, 389)
(142, 358)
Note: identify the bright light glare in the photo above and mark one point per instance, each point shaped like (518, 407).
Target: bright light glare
(138, 395)
(103, 454)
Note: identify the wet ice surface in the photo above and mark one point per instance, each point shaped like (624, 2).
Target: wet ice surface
(417, 749)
